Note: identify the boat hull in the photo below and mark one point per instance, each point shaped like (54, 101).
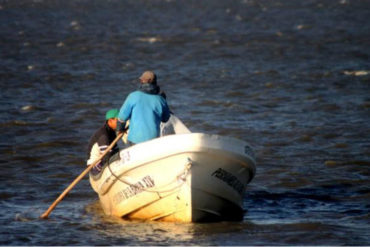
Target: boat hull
(182, 178)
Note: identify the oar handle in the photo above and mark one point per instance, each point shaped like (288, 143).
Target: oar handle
(78, 179)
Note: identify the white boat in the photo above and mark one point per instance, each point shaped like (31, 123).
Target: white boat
(188, 177)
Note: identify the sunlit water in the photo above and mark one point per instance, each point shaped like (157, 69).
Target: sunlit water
(289, 77)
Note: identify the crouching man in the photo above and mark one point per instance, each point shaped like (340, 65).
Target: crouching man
(101, 140)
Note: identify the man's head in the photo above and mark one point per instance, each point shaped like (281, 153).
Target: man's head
(148, 77)
(111, 117)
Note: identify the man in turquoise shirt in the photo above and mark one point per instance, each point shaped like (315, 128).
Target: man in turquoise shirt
(146, 108)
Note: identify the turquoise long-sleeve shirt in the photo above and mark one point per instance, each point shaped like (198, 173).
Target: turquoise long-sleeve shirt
(145, 112)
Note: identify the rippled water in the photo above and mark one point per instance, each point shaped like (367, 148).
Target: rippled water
(290, 77)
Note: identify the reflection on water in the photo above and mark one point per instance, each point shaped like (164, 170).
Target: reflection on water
(166, 233)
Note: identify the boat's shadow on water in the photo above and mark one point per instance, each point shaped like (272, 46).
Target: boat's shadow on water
(158, 233)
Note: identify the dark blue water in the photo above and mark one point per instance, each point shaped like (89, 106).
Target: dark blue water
(290, 77)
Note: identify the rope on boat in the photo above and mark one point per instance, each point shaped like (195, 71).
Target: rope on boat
(181, 176)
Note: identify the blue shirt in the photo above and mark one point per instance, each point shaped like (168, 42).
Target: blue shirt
(146, 112)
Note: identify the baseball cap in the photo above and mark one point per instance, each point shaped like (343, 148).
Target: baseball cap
(149, 77)
(112, 113)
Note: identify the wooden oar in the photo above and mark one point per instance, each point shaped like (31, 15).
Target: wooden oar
(69, 188)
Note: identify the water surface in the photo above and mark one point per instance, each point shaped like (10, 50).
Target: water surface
(289, 77)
